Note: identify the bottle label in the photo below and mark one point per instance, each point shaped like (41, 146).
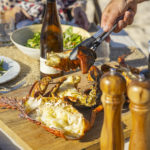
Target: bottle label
(47, 69)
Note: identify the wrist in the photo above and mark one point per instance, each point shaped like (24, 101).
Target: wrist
(136, 1)
(139, 1)
(127, 1)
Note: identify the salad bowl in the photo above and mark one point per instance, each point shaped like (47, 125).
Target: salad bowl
(20, 38)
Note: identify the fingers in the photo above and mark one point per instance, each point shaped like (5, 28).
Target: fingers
(120, 26)
(129, 16)
(116, 9)
(127, 20)
(109, 16)
(109, 20)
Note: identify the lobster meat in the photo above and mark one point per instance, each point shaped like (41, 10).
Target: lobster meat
(54, 114)
(86, 58)
(54, 109)
(130, 73)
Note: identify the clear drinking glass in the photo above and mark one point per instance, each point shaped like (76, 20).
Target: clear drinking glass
(6, 28)
(103, 53)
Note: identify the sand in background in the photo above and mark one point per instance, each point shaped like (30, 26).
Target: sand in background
(139, 31)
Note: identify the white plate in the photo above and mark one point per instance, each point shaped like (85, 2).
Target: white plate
(12, 69)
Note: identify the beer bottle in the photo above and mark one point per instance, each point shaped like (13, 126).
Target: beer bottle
(51, 39)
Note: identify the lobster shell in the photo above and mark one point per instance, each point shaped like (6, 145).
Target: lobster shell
(21, 105)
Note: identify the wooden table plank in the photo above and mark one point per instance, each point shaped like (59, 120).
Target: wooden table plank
(32, 136)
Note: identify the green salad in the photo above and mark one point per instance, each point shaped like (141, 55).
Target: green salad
(2, 70)
(35, 41)
(70, 39)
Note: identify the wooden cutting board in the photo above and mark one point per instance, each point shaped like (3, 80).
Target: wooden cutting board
(31, 136)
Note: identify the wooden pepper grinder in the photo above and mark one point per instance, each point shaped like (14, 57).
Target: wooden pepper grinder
(113, 86)
(139, 95)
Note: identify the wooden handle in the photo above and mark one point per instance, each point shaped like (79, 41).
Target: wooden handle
(113, 86)
(139, 95)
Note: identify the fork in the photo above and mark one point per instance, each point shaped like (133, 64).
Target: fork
(9, 89)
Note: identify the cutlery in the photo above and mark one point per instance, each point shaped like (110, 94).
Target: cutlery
(94, 41)
(9, 89)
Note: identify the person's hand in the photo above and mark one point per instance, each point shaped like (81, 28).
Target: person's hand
(80, 17)
(115, 9)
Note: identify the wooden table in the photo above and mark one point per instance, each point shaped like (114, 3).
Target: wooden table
(31, 136)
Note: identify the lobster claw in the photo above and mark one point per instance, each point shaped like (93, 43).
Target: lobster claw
(39, 87)
(94, 74)
(87, 58)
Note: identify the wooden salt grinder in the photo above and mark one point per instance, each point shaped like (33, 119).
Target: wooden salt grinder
(113, 86)
(139, 95)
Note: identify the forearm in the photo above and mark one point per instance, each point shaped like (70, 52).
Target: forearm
(139, 1)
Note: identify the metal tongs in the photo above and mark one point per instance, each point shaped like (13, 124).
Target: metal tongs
(94, 41)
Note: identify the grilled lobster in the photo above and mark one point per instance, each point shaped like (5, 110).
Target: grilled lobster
(53, 109)
(130, 73)
(86, 58)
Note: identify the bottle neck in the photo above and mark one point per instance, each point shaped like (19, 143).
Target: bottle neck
(51, 7)
(49, 1)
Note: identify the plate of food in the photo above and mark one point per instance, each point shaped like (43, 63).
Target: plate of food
(9, 69)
